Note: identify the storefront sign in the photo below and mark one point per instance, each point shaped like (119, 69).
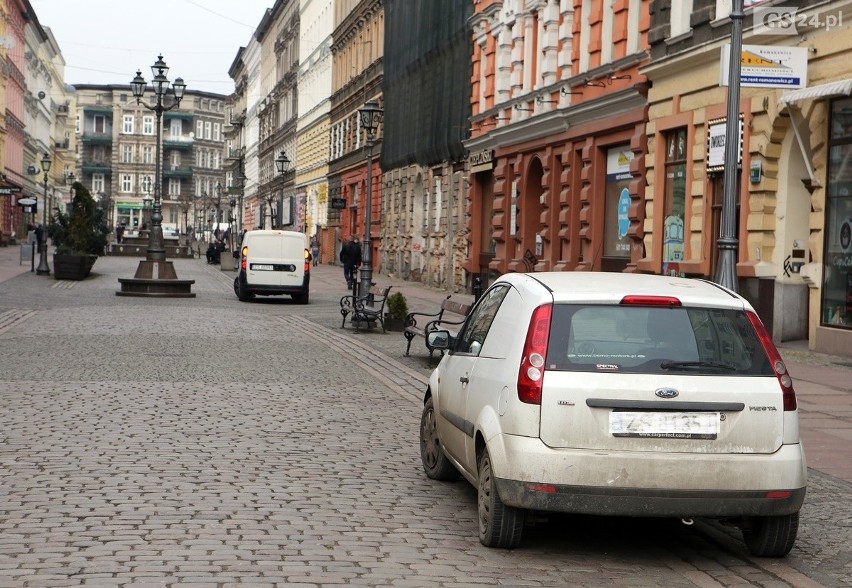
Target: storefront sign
(768, 66)
(482, 161)
(9, 191)
(617, 221)
(716, 139)
(338, 203)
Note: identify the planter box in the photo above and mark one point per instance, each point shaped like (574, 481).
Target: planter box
(72, 267)
(392, 324)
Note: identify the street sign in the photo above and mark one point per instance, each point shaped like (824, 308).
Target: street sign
(10, 190)
(27, 201)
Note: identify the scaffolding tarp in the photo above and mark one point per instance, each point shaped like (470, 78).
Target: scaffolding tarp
(426, 86)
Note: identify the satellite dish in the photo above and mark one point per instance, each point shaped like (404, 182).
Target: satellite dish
(41, 94)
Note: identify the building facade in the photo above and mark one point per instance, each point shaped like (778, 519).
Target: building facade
(312, 126)
(558, 136)
(116, 158)
(357, 70)
(426, 89)
(793, 203)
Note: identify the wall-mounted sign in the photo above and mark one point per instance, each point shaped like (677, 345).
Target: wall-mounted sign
(768, 66)
(481, 161)
(9, 191)
(338, 203)
(716, 140)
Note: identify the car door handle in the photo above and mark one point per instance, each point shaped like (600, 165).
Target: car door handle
(464, 380)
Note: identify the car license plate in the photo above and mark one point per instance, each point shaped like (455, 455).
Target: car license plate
(267, 267)
(674, 425)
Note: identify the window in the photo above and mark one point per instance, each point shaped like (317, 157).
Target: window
(837, 269)
(126, 183)
(680, 13)
(147, 125)
(216, 160)
(127, 124)
(617, 203)
(477, 326)
(174, 186)
(208, 130)
(127, 154)
(674, 207)
(147, 154)
(97, 182)
(99, 123)
(217, 132)
(175, 129)
(199, 129)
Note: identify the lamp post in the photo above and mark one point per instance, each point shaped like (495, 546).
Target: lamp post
(43, 269)
(160, 83)
(370, 115)
(147, 205)
(282, 163)
(726, 270)
(218, 189)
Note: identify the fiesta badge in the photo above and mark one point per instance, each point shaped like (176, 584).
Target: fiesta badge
(666, 392)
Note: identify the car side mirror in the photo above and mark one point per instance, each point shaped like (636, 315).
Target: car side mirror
(438, 339)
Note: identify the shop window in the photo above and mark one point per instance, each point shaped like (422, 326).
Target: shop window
(674, 210)
(616, 221)
(837, 265)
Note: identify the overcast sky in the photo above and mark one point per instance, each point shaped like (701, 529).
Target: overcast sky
(106, 41)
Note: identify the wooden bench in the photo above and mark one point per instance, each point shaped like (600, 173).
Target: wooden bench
(365, 311)
(420, 324)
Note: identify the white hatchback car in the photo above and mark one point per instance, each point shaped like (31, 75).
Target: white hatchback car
(617, 394)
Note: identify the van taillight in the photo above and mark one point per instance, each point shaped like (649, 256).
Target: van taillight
(244, 257)
(788, 394)
(531, 371)
(307, 261)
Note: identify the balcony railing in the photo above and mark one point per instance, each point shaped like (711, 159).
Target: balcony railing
(182, 143)
(177, 114)
(176, 171)
(99, 138)
(97, 167)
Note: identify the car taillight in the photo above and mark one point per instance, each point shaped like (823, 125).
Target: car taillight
(307, 261)
(789, 395)
(532, 361)
(244, 258)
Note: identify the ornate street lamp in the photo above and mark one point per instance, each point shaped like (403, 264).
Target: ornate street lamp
(160, 84)
(43, 269)
(370, 115)
(155, 276)
(282, 164)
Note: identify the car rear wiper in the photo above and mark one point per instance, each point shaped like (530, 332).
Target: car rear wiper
(696, 365)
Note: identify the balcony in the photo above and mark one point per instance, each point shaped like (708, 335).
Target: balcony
(97, 138)
(174, 114)
(176, 171)
(97, 167)
(98, 109)
(181, 143)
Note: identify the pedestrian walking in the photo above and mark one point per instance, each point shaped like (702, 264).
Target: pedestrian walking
(119, 233)
(350, 257)
(315, 252)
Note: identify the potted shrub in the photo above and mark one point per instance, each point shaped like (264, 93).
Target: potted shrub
(396, 313)
(79, 236)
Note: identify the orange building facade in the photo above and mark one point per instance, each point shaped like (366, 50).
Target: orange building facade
(557, 146)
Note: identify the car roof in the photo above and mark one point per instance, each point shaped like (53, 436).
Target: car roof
(603, 287)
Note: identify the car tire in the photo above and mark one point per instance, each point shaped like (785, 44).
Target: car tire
(302, 298)
(499, 525)
(771, 536)
(239, 289)
(435, 463)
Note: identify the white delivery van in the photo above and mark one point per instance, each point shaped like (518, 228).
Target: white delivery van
(273, 263)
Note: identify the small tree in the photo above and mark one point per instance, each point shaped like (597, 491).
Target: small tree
(397, 306)
(84, 230)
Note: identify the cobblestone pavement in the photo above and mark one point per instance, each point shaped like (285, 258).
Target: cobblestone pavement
(204, 441)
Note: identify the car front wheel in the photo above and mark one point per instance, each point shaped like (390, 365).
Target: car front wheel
(435, 463)
(499, 525)
(771, 536)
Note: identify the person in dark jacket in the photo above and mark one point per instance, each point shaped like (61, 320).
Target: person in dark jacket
(350, 257)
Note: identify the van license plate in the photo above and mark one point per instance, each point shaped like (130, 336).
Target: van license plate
(674, 425)
(262, 267)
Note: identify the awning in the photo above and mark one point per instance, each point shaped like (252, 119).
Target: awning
(841, 88)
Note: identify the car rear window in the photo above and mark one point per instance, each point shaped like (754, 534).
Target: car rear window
(638, 339)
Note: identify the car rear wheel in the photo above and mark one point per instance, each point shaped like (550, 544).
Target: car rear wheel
(239, 290)
(301, 298)
(435, 463)
(771, 536)
(499, 525)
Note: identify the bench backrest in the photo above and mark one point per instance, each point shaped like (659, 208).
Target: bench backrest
(455, 306)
